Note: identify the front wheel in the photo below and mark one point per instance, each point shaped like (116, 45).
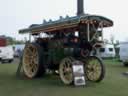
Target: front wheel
(65, 70)
(94, 69)
(125, 64)
(10, 61)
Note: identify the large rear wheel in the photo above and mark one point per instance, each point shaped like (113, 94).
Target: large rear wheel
(33, 60)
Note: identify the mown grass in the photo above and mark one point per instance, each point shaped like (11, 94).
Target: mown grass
(114, 84)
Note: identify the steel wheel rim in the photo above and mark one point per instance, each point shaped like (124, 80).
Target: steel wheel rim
(30, 61)
(65, 70)
(93, 69)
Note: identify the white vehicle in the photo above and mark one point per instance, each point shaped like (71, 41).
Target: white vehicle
(18, 50)
(6, 54)
(107, 51)
(123, 53)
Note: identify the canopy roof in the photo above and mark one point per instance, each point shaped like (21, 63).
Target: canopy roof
(65, 23)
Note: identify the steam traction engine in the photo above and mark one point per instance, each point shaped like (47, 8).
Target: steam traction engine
(59, 43)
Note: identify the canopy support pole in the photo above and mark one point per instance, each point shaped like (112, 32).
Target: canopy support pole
(88, 32)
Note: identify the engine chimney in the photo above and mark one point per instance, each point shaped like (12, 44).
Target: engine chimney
(80, 7)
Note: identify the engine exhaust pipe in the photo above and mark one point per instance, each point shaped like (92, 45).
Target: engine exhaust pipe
(80, 7)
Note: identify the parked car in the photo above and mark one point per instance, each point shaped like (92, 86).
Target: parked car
(18, 49)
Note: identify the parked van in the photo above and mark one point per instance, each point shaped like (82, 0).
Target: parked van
(6, 54)
(107, 51)
(123, 53)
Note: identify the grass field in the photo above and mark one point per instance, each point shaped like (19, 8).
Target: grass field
(114, 84)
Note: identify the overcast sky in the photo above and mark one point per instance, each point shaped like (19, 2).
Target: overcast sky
(18, 14)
